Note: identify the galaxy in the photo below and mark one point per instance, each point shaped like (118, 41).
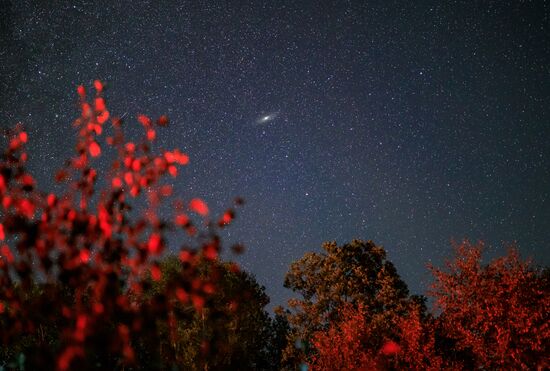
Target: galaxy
(411, 124)
(264, 119)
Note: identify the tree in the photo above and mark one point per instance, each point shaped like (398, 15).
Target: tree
(344, 344)
(356, 274)
(496, 314)
(88, 253)
(232, 330)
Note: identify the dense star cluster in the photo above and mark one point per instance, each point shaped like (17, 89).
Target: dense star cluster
(408, 123)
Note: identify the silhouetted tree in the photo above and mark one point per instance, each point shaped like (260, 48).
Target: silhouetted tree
(232, 329)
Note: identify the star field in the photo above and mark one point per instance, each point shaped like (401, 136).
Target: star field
(408, 123)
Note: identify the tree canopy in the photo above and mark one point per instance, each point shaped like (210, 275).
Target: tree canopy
(357, 274)
(496, 314)
(232, 329)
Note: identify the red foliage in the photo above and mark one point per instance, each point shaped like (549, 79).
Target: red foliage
(95, 150)
(88, 251)
(390, 348)
(342, 345)
(162, 120)
(498, 314)
(199, 206)
(98, 85)
(352, 342)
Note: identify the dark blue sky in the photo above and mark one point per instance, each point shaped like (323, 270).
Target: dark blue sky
(409, 123)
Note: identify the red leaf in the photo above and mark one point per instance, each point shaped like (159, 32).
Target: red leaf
(51, 200)
(199, 206)
(95, 150)
(181, 158)
(103, 117)
(182, 220)
(27, 180)
(86, 110)
(198, 302)
(129, 178)
(81, 91)
(26, 207)
(81, 322)
(169, 156)
(186, 256)
(155, 244)
(182, 295)
(100, 104)
(166, 190)
(2, 234)
(23, 137)
(6, 253)
(130, 147)
(98, 86)
(390, 348)
(6, 201)
(128, 353)
(210, 252)
(98, 308)
(163, 120)
(144, 120)
(209, 288)
(84, 255)
(116, 183)
(136, 165)
(156, 273)
(226, 218)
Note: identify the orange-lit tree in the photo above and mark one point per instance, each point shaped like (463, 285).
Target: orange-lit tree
(496, 315)
(334, 283)
(73, 265)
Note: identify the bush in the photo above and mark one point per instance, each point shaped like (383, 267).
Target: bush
(74, 264)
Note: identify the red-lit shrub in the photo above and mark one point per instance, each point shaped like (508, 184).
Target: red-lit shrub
(73, 265)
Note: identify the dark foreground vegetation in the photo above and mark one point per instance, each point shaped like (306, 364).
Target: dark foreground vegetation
(87, 281)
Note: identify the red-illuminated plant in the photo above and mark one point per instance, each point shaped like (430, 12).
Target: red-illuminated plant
(343, 346)
(496, 315)
(348, 343)
(73, 265)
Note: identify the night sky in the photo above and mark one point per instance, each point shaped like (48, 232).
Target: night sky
(410, 123)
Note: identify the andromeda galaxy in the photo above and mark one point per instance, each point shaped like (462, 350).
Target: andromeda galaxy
(267, 118)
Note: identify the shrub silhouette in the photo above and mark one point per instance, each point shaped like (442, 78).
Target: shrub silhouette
(74, 265)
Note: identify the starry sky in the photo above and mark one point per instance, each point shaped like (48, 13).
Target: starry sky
(410, 123)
